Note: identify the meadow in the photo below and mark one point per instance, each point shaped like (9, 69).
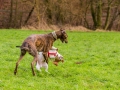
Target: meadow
(91, 62)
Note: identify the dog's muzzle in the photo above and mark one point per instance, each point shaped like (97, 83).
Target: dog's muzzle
(66, 41)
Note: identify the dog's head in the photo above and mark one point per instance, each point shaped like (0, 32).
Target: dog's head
(62, 35)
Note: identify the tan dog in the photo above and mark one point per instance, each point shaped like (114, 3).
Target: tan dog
(39, 43)
(40, 63)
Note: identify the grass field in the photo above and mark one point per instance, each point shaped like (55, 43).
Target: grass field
(92, 62)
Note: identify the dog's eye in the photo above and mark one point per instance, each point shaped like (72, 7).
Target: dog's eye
(65, 36)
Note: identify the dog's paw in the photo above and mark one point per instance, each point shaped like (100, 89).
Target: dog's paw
(47, 72)
(39, 70)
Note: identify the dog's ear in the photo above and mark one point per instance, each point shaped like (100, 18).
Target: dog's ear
(62, 29)
(55, 63)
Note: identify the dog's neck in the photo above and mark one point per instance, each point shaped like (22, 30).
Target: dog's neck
(54, 35)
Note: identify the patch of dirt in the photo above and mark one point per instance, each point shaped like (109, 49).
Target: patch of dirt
(80, 62)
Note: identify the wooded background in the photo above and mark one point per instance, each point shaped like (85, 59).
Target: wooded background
(92, 14)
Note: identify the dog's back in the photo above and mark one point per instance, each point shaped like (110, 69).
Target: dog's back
(35, 40)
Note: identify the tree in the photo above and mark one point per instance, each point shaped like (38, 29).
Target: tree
(96, 12)
(107, 21)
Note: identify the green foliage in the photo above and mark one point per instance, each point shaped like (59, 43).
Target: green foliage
(92, 62)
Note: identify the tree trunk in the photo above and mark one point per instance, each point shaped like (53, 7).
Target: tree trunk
(99, 14)
(85, 18)
(11, 14)
(115, 16)
(16, 10)
(96, 13)
(30, 13)
(93, 15)
(107, 21)
(38, 13)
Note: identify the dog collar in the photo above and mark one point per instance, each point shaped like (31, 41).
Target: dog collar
(54, 35)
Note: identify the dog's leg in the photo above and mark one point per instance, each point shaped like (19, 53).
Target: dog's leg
(32, 64)
(45, 65)
(32, 51)
(20, 58)
(37, 66)
(46, 57)
(46, 69)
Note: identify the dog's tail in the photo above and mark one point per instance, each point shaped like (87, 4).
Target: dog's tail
(18, 46)
(23, 48)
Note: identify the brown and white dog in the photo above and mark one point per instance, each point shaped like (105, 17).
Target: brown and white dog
(53, 53)
(40, 43)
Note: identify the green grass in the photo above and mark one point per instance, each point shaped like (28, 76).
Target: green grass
(97, 52)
